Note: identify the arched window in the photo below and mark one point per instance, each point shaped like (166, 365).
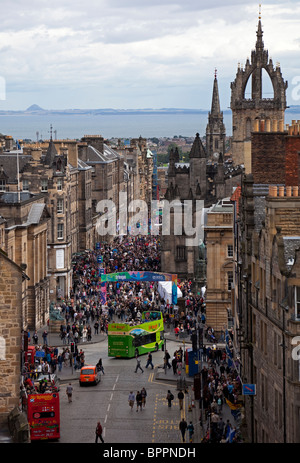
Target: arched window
(266, 85)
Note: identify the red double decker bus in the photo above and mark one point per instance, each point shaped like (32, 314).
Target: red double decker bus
(43, 416)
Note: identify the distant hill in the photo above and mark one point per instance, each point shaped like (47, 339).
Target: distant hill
(35, 110)
(35, 107)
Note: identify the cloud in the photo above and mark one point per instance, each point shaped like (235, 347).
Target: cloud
(162, 46)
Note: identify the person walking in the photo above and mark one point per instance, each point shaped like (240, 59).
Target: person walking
(99, 433)
(169, 398)
(182, 428)
(138, 365)
(144, 395)
(131, 399)
(69, 392)
(149, 361)
(180, 398)
(45, 337)
(166, 360)
(100, 366)
(139, 401)
(190, 429)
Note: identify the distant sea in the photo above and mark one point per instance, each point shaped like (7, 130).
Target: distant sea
(113, 125)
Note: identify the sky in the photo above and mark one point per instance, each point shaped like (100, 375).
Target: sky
(138, 53)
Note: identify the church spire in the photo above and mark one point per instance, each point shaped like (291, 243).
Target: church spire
(215, 103)
(259, 33)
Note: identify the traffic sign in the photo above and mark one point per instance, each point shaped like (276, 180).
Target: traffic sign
(249, 389)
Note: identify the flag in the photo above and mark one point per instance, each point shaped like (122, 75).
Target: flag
(233, 407)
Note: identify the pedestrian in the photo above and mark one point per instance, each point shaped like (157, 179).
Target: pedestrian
(149, 360)
(96, 327)
(183, 427)
(174, 365)
(131, 399)
(139, 401)
(35, 338)
(100, 366)
(180, 398)
(138, 365)
(99, 433)
(166, 359)
(69, 392)
(60, 362)
(144, 395)
(45, 337)
(190, 429)
(169, 398)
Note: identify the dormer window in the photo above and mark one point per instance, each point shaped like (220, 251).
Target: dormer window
(58, 165)
(44, 185)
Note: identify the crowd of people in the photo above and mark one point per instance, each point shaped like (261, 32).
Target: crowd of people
(83, 317)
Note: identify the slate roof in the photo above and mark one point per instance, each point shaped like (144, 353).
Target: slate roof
(9, 163)
(35, 213)
(108, 155)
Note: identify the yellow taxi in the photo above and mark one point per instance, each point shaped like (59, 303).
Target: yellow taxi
(89, 375)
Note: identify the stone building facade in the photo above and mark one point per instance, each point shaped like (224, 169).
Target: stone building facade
(219, 253)
(11, 278)
(198, 180)
(25, 242)
(245, 110)
(107, 176)
(267, 311)
(49, 171)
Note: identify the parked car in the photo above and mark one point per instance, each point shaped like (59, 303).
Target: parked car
(89, 375)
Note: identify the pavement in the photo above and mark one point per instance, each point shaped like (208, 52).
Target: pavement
(193, 409)
(68, 374)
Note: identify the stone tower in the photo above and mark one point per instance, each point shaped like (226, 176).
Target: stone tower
(246, 111)
(215, 129)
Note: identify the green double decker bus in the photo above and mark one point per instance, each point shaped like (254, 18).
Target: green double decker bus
(127, 340)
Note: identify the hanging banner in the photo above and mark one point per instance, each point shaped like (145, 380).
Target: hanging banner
(143, 276)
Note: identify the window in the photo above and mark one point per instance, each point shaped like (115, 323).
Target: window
(44, 185)
(230, 250)
(229, 281)
(180, 253)
(297, 302)
(264, 392)
(59, 184)
(25, 185)
(263, 337)
(60, 206)
(2, 185)
(60, 231)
